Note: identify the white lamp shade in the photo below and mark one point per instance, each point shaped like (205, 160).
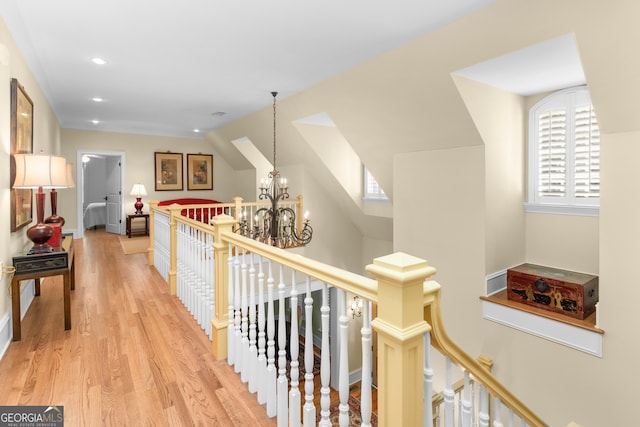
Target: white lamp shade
(138, 190)
(40, 170)
(70, 182)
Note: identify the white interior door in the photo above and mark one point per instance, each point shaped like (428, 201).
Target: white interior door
(114, 196)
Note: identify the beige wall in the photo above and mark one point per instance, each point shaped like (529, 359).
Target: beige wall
(498, 116)
(46, 137)
(140, 166)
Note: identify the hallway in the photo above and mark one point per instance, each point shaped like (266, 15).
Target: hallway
(133, 356)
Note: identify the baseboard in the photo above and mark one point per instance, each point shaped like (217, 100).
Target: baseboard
(6, 323)
(355, 376)
(496, 282)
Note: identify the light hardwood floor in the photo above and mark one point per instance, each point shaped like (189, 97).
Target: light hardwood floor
(134, 355)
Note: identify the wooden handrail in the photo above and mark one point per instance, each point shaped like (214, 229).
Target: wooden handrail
(441, 341)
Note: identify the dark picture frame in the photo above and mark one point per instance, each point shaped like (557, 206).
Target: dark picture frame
(21, 143)
(199, 172)
(168, 171)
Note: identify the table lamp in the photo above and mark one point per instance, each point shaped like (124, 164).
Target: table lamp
(138, 191)
(39, 171)
(62, 181)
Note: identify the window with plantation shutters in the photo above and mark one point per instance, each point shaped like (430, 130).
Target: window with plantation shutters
(564, 153)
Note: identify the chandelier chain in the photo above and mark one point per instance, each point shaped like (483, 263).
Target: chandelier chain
(274, 129)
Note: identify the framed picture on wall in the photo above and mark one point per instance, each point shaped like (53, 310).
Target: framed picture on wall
(168, 171)
(21, 143)
(199, 172)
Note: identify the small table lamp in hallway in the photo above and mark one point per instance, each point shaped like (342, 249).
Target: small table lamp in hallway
(138, 191)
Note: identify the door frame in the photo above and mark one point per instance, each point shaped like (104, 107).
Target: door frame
(80, 185)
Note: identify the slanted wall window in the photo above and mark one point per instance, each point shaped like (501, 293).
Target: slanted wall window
(372, 190)
(564, 154)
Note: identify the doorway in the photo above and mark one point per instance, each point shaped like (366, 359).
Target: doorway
(106, 188)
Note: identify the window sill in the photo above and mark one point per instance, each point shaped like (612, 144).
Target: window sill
(575, 210)
(581, 335)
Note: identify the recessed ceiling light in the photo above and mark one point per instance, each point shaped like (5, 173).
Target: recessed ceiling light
(196, 130)
(95, 122)
(97, 99)
(98, 61)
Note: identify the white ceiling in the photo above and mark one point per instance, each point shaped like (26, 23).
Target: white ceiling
(174, 66)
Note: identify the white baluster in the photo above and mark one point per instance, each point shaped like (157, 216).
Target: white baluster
(428, 381)
(294, 346)
(309, 411)
(365, 387)
(253, 351)
(270, 380)
(262, 359)
(283, 410)
(210, 279)
(483, 415)
(448, 395)
(238, 317)
(497, 412)
(343, 379)
(465, 407)
(245, 320)
(231, 345)
(325, 362)
(510, 417)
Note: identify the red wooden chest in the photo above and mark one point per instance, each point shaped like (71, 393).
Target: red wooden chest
(561, 291)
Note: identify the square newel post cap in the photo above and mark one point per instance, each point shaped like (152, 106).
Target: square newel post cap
(401, 280)
(400, 267)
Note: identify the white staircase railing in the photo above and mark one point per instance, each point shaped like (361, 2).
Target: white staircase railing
(260, 301)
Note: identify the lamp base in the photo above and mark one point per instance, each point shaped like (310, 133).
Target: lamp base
(138, 205)
(54, 219)
(40, 234)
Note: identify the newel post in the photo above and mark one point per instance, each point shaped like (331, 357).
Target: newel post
(220, 321)
(400, 326)
(174, 211)
(238, 207)
(153, 204)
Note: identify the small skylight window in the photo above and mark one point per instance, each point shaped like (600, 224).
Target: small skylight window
(372, 190)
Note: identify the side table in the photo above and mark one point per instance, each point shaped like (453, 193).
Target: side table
(37, 266)
(131, 218)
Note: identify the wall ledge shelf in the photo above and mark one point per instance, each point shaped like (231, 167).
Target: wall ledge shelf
(581, 335)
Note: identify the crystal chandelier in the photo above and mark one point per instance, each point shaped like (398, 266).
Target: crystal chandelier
(275, 225)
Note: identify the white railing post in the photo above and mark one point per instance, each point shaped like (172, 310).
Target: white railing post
(325, 364)
(253, 350)
(245, 320)
(466, 404)
(448, 395)
(237, 339)
(282, 385)
(365, 387)
(428, 382)
(262, 341)
(272, 408)
(294, 350)
(343, 366)
(483, 414)
(309, 417)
